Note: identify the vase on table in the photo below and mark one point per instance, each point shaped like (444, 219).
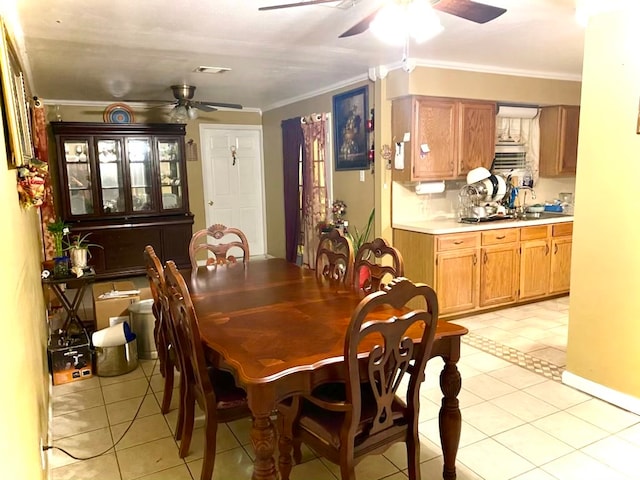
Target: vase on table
(79, 257)
(61, 266)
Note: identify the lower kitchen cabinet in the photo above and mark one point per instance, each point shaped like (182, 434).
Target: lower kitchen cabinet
(499, 266)
(534, 262)
(457, 275)
(473, 271)
(560, 274)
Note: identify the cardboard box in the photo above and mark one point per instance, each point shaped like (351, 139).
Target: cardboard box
(69, 358)
(110, 311)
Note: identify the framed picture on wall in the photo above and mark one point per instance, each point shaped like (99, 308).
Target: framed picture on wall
(349, 129)
(15, 105)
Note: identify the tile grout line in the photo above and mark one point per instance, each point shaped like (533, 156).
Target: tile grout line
(510, 354)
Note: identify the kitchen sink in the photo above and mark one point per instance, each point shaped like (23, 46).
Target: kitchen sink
(543, 215)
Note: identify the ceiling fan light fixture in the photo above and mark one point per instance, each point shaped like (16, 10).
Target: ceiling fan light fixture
(192, 113)
(179, 114)
(396, 22)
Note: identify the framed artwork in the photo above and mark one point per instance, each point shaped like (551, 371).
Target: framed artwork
(14, 102)
(350, 132)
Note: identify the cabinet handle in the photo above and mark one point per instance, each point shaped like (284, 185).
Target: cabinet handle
(210, 202)
(500, 237)
(458, 242)
(555, 249)
(475, 259)
(485, 258)
(546, 249)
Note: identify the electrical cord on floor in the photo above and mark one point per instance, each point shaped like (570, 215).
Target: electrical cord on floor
(50, 447)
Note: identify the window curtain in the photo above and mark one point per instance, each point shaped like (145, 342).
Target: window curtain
(292, 146)
(521, 125)
(315, 201)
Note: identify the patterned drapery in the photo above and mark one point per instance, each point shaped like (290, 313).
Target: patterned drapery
(315, 202)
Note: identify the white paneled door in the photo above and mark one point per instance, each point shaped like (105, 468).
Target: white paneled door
(233, 180)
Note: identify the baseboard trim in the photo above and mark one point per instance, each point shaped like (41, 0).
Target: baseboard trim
(607, 394)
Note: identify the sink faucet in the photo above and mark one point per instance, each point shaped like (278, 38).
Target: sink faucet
(522, 209)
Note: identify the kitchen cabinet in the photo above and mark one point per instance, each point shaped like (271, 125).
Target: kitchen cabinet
(534, 262)
(499, 267)
(477, 270)
(126, 184)
(559, 140)
(447, 137)
(560, 269)
(457, 272)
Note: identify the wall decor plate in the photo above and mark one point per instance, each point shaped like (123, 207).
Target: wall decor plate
(118, 113)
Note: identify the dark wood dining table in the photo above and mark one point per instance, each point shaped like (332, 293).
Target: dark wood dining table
(280, 332)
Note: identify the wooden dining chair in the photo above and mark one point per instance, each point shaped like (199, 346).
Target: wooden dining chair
(214, 390)
(370, 410)
(334, 258)
(163, 334)
(374, 262)
(236, 242)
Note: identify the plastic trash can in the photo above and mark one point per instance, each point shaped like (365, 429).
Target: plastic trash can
(118, 360)
(143, 323)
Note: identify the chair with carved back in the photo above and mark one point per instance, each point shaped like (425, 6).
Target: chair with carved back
(163, 333)
(377, 405)
(214, 390)
(334, 258)
(376, 263)
(235, 241)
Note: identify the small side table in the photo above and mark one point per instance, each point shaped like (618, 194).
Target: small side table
(71, 306)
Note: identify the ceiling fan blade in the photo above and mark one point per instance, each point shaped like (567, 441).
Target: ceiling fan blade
(296, 4)
(220, 104)
(361, 26)
(203, 106)
(469, 10)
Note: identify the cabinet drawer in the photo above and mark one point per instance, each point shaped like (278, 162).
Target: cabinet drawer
(563, 229)
(503, 235)
(457, 241)
(534, 233)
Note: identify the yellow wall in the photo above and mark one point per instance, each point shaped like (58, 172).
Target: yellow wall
(441, 82)
(359, 196)
(604, 326)
(24, 399)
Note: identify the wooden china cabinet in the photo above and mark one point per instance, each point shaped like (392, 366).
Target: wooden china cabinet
(127, 185)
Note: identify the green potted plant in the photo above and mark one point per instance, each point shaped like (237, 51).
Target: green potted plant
(359, 238)
(78, 248)
(58, 231)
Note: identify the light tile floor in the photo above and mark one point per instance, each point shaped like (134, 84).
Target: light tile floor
(519, 421)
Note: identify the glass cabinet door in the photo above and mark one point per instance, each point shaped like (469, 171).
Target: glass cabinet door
(170, 173)
(112, 186)
(78, 168)
(139, 159)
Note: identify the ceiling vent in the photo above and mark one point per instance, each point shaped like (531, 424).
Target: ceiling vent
(212, 70)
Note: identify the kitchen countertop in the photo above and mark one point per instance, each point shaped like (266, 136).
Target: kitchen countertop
(451, 225)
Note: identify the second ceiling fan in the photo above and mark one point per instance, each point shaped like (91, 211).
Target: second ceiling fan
(467, 9)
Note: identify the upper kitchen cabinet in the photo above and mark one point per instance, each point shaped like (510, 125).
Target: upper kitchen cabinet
(446, 137)
(559, 140)
(126, 185)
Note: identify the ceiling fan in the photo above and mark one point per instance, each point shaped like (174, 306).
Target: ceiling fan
(467, 9)
(185, 107)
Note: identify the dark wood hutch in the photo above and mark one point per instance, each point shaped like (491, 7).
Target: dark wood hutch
(127, 185)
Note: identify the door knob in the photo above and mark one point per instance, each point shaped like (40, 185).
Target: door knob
(210, 202)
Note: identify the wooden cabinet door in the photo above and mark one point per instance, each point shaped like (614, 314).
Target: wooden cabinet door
(569, 123)
(534, 268)
(499, 268)
(560, 265)
(476, 135)
(457, 275)
(435, 121)
(559, 140)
